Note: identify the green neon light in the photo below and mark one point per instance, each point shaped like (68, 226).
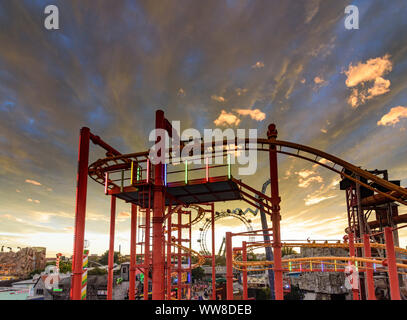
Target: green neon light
(229, 168)
(357, 268)
(57, 290)
(138, 173)
(289, 265)
(186, 171)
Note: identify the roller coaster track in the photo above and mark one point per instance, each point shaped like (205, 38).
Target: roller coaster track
(395, 193)
(294, 262)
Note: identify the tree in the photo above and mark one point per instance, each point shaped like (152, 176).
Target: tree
(104, 259)
(198, 273)
(295, 294)
(286, 251)
(97, 271)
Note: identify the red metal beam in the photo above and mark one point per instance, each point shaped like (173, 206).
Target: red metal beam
(80, 212)
(392, 266)
(213, 252)
(355, 290)
(369, 272)
(275, 200)
(133, 240)
(158, 214)
(244, 276)
(111, 249)
(229, 266)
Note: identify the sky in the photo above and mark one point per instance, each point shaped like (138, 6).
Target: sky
(209, 64)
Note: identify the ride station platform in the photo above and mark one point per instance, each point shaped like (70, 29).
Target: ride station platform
(196, 191)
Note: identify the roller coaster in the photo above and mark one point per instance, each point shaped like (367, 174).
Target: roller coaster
(157, 194)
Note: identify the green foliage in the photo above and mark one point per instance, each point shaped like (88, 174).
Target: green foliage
(104, 259)
(295, 294)
(33, 273)
(286, 251)
(263, 294)
(198, 273)
(97, 271)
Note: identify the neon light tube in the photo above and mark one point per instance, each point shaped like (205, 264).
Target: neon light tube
(300, 267)
(335, 264)
(165, 174)
(186, 171)
(138, 174)
(289, 265)
(357, 268)
(132, 173)
(310, 264)
(322, 267)
(374, 267)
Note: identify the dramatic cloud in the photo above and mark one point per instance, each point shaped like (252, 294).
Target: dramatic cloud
(393, 116)
(36, 183)
(311, 200)
(181, 92)
(318, 80)
(306, 177)
(362, 73)
(218, 98)
(241, 91)
(114, 63)
(124, 214)
(258, 65)
(255, 114)
(226, 118)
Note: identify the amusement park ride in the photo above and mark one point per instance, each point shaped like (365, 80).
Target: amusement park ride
(162, 205)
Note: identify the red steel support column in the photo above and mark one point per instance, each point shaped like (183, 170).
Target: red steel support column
(111, 249)
(391, 264)
(158, 212)
(213, 252)
(179, 276)
(244, 277)
(169, 257)
(229, 267)
(275, 198)
(133, 241)
(369, 272)
(147, 249)
(80, 213)
(355, 292)
(190, 257)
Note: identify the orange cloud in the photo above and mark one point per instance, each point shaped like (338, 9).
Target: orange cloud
(258, 65)
(226, 118)
(124, 214)
(372, 70)
(369, 71)
(240, 91)
(393, 116)
(310, 200)
(218, 98)
(318, 80)
(36, 183)
(255, 114)
(181, 92)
